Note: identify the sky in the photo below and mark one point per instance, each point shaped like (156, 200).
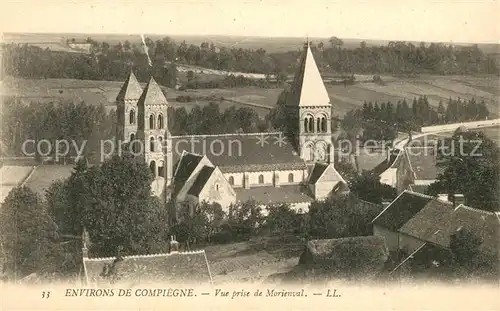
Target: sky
(410, 20)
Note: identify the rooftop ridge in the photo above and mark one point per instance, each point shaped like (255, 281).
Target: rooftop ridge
(228, 134)
(428, 197)
(147, 256)
(477, 210)
(425, 196)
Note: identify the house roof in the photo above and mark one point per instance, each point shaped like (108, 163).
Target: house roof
(242, 152)
(152, 94)
(308, 88)
(131, 89)
(438, 220)
(402, 209)
(423, 163)
(316, 173)
(371, 251)
(431, 223)
(178, 268)
(483, 224)
(372, 161)
(428, 258)
(271, 194)
(201, 180)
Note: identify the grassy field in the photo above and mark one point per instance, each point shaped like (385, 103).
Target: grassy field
(436, 88)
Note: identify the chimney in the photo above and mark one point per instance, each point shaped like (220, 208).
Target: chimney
(458, 199)
(174, 245)
(443, 197)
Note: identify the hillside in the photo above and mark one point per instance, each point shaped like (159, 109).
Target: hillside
(344, 98)
(270, 44)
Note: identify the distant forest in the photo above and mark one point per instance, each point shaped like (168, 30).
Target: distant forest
(383, 121)
(107, 62)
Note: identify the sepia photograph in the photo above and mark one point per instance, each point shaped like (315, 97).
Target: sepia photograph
(250, 154)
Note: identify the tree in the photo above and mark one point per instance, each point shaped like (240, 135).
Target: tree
(213, 217)
(342, 216)
(470, 163)
(347, 171)
(115, 205)
(369, 188)
(336, 42)
(281, 219)
(244, 219)
(464, 246)
(28, 234)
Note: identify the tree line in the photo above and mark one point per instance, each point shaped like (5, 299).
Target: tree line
(87, 125)
(210, 119)
(107, 62)
(80, 123)
(383, 121)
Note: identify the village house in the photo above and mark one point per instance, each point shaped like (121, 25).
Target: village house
(173, 267)
(235, 167)
(415, 223)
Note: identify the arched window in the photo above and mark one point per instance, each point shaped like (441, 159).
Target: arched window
(160, 142)
(152, 144)
(151, 121)
(318, 125)
(132, 116)
(161, 169)
(323, 125)
(132, 137)
(160, 121)
(217, 187)
(261, 179)
(152, 167)
(231, 180)
(311, 125)
(290, 177)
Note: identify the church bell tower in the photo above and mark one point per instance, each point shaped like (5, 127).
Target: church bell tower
(154, 136)
(309, 102)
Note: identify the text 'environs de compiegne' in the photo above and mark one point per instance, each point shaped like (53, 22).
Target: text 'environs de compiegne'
(185, 292)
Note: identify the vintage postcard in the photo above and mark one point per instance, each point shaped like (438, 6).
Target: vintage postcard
(286, 155)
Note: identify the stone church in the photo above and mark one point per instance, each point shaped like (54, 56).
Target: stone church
(295, 167)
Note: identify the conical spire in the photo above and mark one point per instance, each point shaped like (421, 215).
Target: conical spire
(308, 88)
(131, 89)
(152, 94)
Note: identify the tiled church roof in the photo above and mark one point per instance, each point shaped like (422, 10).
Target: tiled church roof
(152, 95)
(131, 90)
(242, 152)
(270, 194)
(308, 88)
(185, 168)
(201, 180)
(318, 170)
